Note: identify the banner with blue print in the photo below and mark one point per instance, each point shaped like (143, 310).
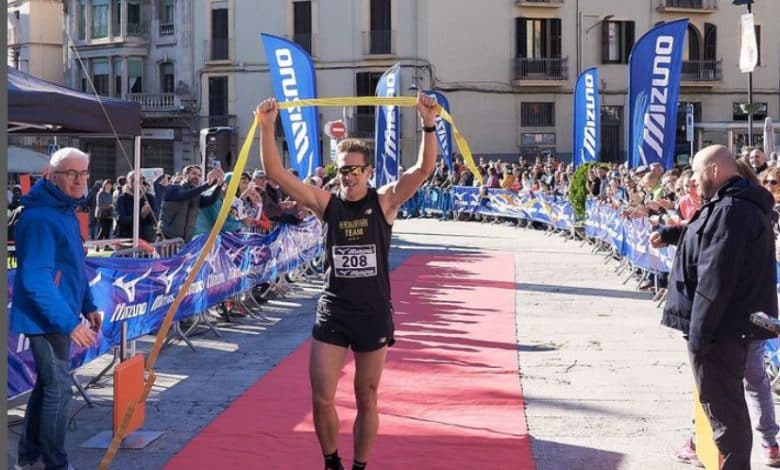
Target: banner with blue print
(388, 129)
(654, 85)
(138, 292)
(294, 78)
(587, 118)
(443, 130)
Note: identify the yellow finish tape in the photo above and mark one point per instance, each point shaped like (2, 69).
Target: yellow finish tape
(463, 146)
(120, 433)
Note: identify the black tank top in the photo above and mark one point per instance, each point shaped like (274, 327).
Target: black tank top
(357, 244)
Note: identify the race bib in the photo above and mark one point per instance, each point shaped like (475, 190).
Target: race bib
(354, 261)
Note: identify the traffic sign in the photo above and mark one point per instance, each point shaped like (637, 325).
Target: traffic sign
(336, 129)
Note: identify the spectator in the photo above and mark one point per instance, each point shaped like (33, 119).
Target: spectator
(124, 212)
(757, 160)
(51, 293)
(104, 212)
(161, 184)
(207, 216)
(16, 197)
(182, 202)
(712, 306)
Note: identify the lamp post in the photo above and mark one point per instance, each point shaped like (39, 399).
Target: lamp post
(749, 108)
(585, 36)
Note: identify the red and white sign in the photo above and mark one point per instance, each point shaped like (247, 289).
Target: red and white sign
(336, 129)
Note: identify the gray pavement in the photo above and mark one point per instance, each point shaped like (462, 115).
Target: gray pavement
(605, 386)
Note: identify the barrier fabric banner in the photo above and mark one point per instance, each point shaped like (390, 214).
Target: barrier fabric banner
(654, 85)
(443, 130)
(388, 129)
(587, 118)
(294, 78)
(138, 292)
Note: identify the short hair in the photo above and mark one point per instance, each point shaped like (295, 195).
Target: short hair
(67, 153)
(355, 146)
(190, 167)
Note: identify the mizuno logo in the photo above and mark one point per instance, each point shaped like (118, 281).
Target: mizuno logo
(589, 141)
(96, 279)
(129, 287)
(167, 279)
(391, 145)
(234, 254)
(298, 125)
(655, 116)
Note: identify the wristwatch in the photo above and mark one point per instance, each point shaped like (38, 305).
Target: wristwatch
(428, 129)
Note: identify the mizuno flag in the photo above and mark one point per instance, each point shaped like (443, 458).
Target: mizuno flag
(443, 130)
(388, 129)
(587, 118)
(654, 85)
(293, 78)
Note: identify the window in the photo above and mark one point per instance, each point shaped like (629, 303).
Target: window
(99, 19)
(219, 34)
(84, 79)
(530, 140)
(166, 17)
(82, 19)
(758, 114)
(538, 38)
(135, 76)
(302, 25)
(365, 85)
(381, 27)
(134, 25)
(218, 101)
(617, 39)
(693, 51)
(537, 114)
(117, 65)
(710, 42)
(100, 76)
(116, 18)
(166, 77)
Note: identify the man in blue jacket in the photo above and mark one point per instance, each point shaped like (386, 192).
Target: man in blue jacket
(51, 292)
(723, 272)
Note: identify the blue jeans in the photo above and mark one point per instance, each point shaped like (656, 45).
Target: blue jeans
(758, 394)
(46, 417)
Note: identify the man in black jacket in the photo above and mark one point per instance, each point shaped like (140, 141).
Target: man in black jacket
(723, 272)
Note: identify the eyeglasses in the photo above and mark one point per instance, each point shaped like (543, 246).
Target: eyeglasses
(73, 174)
(355, 170)
(771, 182)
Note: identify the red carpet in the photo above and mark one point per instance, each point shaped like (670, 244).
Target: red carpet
(450, 395)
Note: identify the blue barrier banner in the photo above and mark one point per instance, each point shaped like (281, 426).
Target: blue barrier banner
(654, 84)
(293, 78)
(587, 118)
(537, 207)
(388, 129)
(443, 130)
(138, 292)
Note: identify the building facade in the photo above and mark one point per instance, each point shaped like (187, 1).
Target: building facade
(136, 50)
(508, 67)
(35, 38)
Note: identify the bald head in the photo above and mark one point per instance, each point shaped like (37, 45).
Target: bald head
(712, 167)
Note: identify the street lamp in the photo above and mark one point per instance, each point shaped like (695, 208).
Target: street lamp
(749, 108)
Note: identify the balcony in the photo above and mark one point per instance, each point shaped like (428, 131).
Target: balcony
(379, 42)
(156, 101)
(219, 49)
(307, 42)
(218, 120)
(701, 72)
(539, 3)
(166, 29)
(540, 72)
(688, 6)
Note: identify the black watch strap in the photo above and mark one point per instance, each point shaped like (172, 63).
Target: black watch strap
(429, 129)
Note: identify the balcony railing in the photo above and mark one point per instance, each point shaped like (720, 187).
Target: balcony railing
(693, 5)
(540, 69)
(379, 42)
(701, 71)
(155, 101)
(218, 120)
(218, 49)
(364, 125)
(307, 43)
(166, 29)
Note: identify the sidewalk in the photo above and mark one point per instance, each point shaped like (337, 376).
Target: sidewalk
(606, 387)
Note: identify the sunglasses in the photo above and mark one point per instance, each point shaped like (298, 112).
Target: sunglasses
(771, 182)
(355, 170)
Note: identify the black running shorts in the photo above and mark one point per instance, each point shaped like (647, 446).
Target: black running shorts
(363, 332)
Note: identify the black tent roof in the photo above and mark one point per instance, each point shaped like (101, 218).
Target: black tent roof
(36, 102)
